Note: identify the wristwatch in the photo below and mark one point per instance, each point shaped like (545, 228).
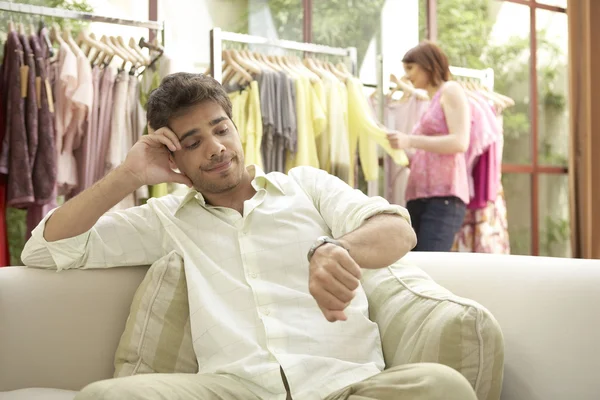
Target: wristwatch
(320, 242)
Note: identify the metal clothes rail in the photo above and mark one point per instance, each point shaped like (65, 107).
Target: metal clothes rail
(218, 36)
(68, 14)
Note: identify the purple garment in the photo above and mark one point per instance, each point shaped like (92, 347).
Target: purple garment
(20, 188)
(44, 168)
(86, 155)
(31, 106)
(481, 180)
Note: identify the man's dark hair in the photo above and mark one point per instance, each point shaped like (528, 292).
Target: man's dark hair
(180, 91)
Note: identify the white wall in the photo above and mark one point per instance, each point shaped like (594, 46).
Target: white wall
(187, 25)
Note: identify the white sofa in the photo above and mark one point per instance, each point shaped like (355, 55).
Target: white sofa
(60, 330)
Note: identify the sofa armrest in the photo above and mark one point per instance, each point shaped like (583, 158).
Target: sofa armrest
(61, 330)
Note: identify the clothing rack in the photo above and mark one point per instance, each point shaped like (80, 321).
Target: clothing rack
(485, 76)
(218, 36)
(77, 15)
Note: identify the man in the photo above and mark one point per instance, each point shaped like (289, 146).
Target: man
(276, 307)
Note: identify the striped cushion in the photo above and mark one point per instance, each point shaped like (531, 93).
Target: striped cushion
(157, 336)
(420, 321)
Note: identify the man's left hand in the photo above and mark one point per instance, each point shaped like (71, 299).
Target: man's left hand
(333, 277)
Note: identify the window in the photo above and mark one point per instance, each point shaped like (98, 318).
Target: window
(526, 44)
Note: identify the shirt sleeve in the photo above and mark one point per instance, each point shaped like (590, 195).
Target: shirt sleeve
(343, 208)
(129, 237)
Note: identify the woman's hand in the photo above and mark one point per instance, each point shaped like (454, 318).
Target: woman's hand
(398, 140)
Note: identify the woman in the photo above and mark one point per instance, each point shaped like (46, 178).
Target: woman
(437, 191)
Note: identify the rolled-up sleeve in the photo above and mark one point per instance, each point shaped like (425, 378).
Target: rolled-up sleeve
(123, 238)
(343, 208)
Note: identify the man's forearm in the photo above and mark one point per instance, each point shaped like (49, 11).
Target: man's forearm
(79, 214)
(380, 241)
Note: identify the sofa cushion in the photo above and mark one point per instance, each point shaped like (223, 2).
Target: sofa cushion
(157, 336)
(38, 394)
(420, 321)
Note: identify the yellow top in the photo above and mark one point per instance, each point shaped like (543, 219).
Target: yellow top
(310, 119)
(365, 133)
(247, 117)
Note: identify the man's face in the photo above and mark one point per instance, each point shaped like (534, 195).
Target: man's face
(211, 153)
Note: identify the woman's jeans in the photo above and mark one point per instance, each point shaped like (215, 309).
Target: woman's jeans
(436, 220)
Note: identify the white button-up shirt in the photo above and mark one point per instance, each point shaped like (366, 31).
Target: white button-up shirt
(247, 276)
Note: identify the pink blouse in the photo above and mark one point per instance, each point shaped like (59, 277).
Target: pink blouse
(433, 174)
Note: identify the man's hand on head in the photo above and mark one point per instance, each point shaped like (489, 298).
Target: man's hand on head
(150, 160)
(333, 278)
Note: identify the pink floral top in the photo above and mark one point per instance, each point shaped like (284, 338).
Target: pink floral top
(433, 174)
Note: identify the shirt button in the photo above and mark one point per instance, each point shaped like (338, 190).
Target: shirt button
(265, 311)
(253, 275)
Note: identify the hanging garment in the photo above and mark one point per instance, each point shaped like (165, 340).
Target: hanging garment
(14, 159)
(151, 80)
(86, 155)
(434, 174)
(366, 134)
(45, 167)
(401, 116)
(287, 141)
(333, 146)
(246, 113)
(310, 118)
(485, 230)
(136, 124)
(80, 101)
(270, 109)
(485, 132)
(120, 138)
(107, 84)
(4, 247)
(65, 87)
(31, 101)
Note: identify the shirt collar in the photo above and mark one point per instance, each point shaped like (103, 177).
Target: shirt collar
(259, 182)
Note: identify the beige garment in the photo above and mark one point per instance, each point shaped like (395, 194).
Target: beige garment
(120, 138)
(407, 382)
(65, 87)
(136, 122)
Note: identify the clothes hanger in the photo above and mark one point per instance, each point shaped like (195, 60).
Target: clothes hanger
(120, 44)
(268, 62)
(46, 38)
(344, 70)
(335, 71)
(118, 52)
(143, 60)
(55, 34)
(11, 24)
(135, 46)
(239, 71)
(310, 63)
(99, 47)
(32, 31)
(68, 38)
(244, 63)
(407, 88)
(104, 55)
(260, 63)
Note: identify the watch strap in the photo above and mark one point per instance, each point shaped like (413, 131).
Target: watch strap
(322, 241)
